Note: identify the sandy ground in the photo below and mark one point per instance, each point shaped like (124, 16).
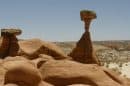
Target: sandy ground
(124, 69)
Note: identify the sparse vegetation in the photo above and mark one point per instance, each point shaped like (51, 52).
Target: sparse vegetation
(106, 51)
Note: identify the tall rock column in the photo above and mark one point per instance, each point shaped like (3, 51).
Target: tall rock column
(83, 52)
(9, 43)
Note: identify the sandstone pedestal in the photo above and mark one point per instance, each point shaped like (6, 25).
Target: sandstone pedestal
(83, 52)
(9, 43)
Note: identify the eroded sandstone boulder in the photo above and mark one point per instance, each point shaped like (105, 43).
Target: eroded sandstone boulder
(34, 47)
(41, 59)
(21, 72)
(65, 72)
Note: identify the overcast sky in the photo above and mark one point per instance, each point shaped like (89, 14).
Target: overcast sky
(59, 20)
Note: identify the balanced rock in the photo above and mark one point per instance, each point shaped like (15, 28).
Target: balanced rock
(83, 52)
(8, 42)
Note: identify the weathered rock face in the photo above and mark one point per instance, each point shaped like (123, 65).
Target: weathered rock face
(14, 47)
(34, 47)
(64, 72)
(41, 59)
(4, 46)
(79, 85)
(9, 43)
(83, 52)
(21, 72)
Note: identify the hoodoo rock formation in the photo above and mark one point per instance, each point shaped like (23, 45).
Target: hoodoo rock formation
(10, 46)
(39, 63)
(83, 52)
(9, 43)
